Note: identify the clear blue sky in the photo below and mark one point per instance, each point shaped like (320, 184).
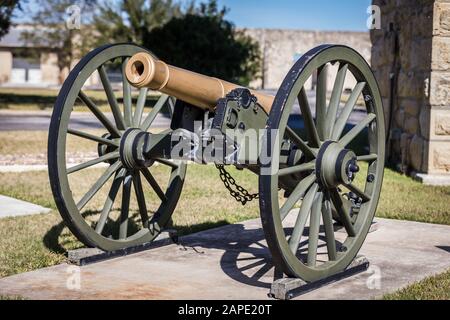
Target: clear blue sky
(299, 14)
(290, 14)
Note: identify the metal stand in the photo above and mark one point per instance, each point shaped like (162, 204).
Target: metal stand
(86, 256)
(288, 288)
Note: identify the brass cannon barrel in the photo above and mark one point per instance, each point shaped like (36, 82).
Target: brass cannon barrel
(143, 70)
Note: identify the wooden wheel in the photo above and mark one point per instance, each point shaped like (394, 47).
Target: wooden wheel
(119, 217)
(340, 170)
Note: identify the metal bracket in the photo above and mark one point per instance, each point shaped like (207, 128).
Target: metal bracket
(288, 288)
(84, 256)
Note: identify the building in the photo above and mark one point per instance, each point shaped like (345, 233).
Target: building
(22, 65)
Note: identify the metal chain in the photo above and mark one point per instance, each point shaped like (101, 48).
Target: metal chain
(240, 194)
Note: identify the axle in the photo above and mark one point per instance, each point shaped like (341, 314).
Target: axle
(143, 70)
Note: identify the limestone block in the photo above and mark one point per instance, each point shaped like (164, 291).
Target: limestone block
(441, 23)
(441, 54)
(440, 156)
(440, 88)
(442, 125)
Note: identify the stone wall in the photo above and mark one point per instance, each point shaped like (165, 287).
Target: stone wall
(280, 48)
(439, 134)
(419, 67)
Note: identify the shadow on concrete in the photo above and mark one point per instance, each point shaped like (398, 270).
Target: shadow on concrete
(445, 248)
(246, 257)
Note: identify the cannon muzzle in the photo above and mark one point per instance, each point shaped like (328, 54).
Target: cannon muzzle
(143, 70)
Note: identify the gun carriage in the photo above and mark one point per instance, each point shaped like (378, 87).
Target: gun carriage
(314, 214)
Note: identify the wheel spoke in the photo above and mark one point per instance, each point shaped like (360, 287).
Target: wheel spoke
(342, 211)
(335, 98)
(140, 107)
(167, 162)
(111, 98)
(90, 163)
(299, 226)
(296, 195)
(127, 112)
(348, 108)
(109, 201)
(321, 100)
(349, 136)
(89, 136)
(154, 112)
(328, 226)
(308, 119)
(358, 192)
(297, 169)
(98, 114)
(367, 157)
(137, 183)
(314, 227)
(98, 184)
(300, 143)
(151, 180)
(125, 208)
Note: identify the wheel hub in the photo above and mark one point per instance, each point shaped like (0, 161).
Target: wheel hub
(335, 165)
(130, 149)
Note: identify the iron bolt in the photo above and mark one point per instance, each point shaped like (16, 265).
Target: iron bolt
(370, 177)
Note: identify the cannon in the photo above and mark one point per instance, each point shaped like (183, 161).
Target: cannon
(319, 177)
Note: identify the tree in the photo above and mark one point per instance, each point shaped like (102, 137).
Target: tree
(54, 28)
(7, 8)
(205, 42)
(130, 20)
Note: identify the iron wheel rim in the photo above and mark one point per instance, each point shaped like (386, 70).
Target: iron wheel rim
(268, 184)
(57, 164)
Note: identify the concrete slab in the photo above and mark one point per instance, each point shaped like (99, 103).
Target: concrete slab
(433, 179)
(233, 262)
(10, 207)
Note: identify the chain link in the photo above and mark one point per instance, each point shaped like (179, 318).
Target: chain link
(240, 194)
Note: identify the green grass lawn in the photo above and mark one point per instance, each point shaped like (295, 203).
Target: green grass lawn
(431, 288)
